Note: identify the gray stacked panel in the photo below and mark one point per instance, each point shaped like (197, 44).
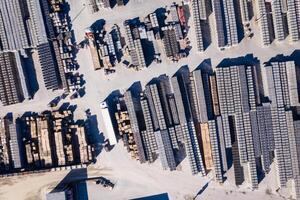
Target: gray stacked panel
(162, 108)
(295, 155)
(188, 128)
(230, 23)
(45, 10)
(207, 94)
(221, 76)
(238, 168)
(292, 83)
(193, 99)
(255, 133)
(173, 137)
(165, 150)
(264, 119)
(222, 143)
(148, 135)
(165, 92)
(158, 107)
(200, 96)
(278, 20)
(135, 47)
(250, 142)
(264, 24)
(130, 104)
(36, 23)
(238, 114)
(152, 108)
(282, 84)
(236, 94)
(166, 153)
(282, 147)
(48, 51)
(200, 7)
(14, 144)
(214, 141)
(254, 97)
(220, 32)
(22, 76)
(13, 86)
(12, 30)
(170, 42)
(140, 53)
(283, 92)
(293, 20)
(244, 11)
(199, 13)
(48, 66)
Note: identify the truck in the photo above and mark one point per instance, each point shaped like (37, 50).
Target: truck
(108, 125)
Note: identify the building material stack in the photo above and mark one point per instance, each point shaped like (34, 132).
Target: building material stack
(164, 131)
(103, 4)
(62, 44)
(4, 147)
(105, 47)
(244, 6)
(10, 151)
(225, 17)
(278, 21)
(37, 142)
(45, 140)
(215, 150)
(53, 72)
(13, 86)
(93, 48)
(134, 43)
(238, 99)
(199, 17)
(133, 106)
(26, 26)
(202, 97)
(148, 135)
(263, 18)
(174, 33)
(73, 138)
(125, 130)
(280, 17)
(170, 42)
(181, 93)
(83, 151)
(61, 122)
(293, 19)
(283, 94)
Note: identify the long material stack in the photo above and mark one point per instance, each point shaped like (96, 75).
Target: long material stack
(225, 17)
(278, 20)
(131, 105)
(27, 25)
(125, 130)
(10, 151)
(134, 46)
(13, 87)
(170, 42)
(199, 14)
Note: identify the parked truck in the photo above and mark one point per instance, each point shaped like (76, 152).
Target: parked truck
(108, 125)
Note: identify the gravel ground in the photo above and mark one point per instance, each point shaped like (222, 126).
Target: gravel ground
(133, 179)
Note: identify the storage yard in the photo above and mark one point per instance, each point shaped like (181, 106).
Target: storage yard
(176, 107)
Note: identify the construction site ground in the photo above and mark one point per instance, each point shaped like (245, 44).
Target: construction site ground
(132, 178)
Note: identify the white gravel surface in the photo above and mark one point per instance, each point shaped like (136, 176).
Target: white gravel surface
(133, 179)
